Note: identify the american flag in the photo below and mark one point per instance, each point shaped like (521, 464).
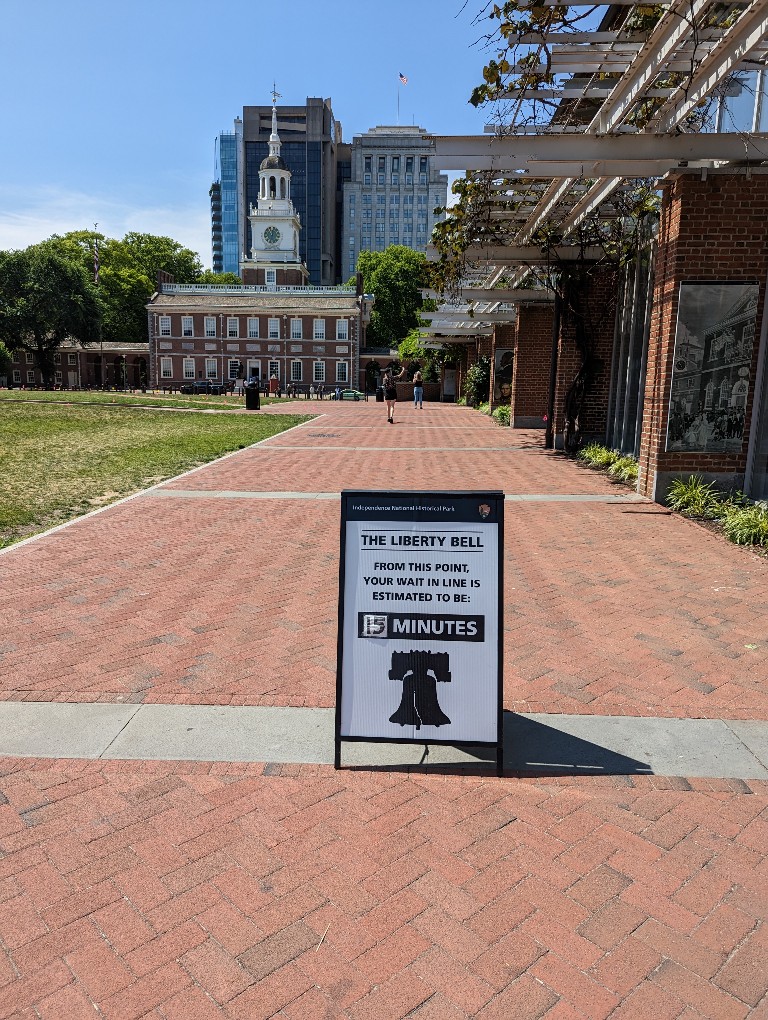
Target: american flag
(403, 79)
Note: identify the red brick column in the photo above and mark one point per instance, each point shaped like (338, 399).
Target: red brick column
(530, 375)
(595, 297)
(711, 229)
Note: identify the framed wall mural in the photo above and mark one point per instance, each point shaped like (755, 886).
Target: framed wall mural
(502, 376)
(711, 369)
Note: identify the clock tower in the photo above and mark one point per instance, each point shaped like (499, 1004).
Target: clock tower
(274, 258)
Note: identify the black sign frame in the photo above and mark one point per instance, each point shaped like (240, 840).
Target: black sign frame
(416, 507)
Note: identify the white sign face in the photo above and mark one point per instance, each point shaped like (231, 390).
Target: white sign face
(420, 627)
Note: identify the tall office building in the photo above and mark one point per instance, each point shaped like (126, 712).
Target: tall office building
(391, 194)
(225, 218)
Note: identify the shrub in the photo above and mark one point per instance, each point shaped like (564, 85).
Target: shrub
(462, 401)
(695, 498)
(625, 469)
(478, 382)
(598, 456)
(745, 525)
(484, 408)
(501, 415)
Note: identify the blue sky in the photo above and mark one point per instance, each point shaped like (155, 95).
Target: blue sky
(111, 109)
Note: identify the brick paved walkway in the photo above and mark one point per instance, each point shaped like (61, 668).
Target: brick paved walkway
(154, 890)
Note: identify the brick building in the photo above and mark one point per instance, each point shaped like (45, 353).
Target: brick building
(273, 326)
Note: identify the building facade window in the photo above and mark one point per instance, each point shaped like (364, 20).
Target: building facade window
(210, 325)
(270, 276)
(253, 329)
(211, 368)
(342, 329)
(318, 371)
(30, 358)
(342, 371)
(273, 329)
(17, 375)
(189, 368)
(72, 359)
(57, 358)
(233, 368)
(165, 325)
(273, 368)
(296, 329)
(187, 326)
(59, 378)
(166, 368)
(295, 371)
(318, 329)
(31, 375)
(233, 327)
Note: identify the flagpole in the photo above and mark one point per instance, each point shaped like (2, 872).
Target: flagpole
(398, 104)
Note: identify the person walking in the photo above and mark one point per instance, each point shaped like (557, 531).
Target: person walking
(418, 390)
(391, 393)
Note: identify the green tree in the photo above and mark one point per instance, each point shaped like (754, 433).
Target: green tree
(128, 274)
(226, 279)
(45, 299)
(395, 277)
(5, 359)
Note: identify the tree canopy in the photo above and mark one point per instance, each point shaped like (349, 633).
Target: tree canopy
(127, 274)
(45, 299)
(395, 276)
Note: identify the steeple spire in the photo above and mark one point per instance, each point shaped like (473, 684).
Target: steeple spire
(274, 138)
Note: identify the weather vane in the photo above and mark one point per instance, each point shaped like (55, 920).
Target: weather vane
(275, 94)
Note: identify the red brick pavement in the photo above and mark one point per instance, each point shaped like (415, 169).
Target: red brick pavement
(133, 890)
(609, 609)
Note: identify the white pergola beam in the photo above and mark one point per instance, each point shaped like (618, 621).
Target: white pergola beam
(515, 255)
(737, 43)
(509, 153)
(515, 296)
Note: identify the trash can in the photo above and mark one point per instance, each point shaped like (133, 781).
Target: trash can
(379, 394)
(252, 401)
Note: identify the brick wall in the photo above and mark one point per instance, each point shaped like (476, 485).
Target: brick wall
(533, 356)
(503, 339)
(712, 229)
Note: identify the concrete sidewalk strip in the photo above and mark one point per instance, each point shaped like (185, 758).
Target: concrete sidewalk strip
(540, 743)
(510, 496)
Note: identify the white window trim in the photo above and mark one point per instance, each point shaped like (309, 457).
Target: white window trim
(165, 325)
(166, 368)
(187, 325)
(233, 328)
(253, 325)
(211, 368)
(273, 329)
(342, 371)
(318, 329)
(210, 326)
(296, 376)
(342, 329)
(297, 329)
(189, 368)
(318, 371)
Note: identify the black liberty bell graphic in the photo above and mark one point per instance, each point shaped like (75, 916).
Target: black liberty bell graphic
(420, 672)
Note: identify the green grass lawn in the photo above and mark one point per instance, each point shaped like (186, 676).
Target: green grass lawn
(150, 399)
(59, 459)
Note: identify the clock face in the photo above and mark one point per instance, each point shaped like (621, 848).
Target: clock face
(271, 235)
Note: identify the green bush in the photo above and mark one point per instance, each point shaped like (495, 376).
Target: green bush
(477, 387)
(501, 415)
(462, 402)
(695, 498)
(598, 456)
(745, 525)
(484, 408)
(624, 468)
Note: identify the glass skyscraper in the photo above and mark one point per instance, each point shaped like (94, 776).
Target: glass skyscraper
(224, 205)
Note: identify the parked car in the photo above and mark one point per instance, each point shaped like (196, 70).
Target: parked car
(352, 395)
(204, 386)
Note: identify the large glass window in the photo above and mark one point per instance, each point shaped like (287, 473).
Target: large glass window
(253, 329)
(233, 368)
(189, 368)
(273, 367)
(342, 371)
(210, 325)
(187, 326)
(342, 329)
(166, 368)
(273, 326)
(295, 371)
(165, 325)
(210, 368)
(296, 329)
(233, 327)
(318, 371)
(318, 329)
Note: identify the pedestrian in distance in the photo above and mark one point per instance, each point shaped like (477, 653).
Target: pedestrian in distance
(390, 392)
(418, 389)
